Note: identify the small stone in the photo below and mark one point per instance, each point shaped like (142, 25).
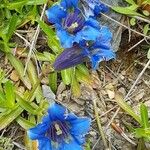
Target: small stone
(104, 120)
(61, 88)
(121, 77)
(111, 94)
(122, 91)
(92, 133)
(14, 76)
(123, 73)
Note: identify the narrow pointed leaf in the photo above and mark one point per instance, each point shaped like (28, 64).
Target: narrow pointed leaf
(17, 64)
(34, 79)
(82, 68)
(2, 96)
(12, 27)
(6, 119)
(144, 116)
(75, 87)
(26, 105)
(8, 116)
(83, 76)
(131, 2)
(26, 124)
(10, 94)
(36, 2)
(120, 101)
(53, 42)
(53, 81)
(142, 133)
(127, 11)
(67, 75)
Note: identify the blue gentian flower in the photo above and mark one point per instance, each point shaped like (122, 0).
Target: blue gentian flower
(72, 26)
(93, 7)
(60, 130)
(93, 51)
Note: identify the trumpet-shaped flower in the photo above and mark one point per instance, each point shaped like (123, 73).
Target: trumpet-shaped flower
(72, 26)
(60, 130)
(93, 51)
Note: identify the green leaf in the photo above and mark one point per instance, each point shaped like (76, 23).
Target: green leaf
(120, 101)
(142, 133)
(87, 146)
(36, 2)
(82, 68)
(53, 81)
(84, 78)
(26, 105)
(2, 96)
(34, 79)
(32, 73)
(52, 39)
(54, 44)
(10, 94)
(47, 29)
(3, 102)
(75, 87)
(16, 4)
(50, 57)
(12, 27)
(141, 145)
(26, 124)
(7, 118)
(146, 29)
(10, 115)
(144, 116)
(67, 75)
(131, 11)
(19, 67)
(131, 2)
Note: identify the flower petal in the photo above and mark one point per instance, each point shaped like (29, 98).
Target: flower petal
(100, 8)
(45, 144)
(87, 33)
(93, 23)
(80, 126)
(70, 3)
(69, 58)
(80, 139)
(56, 112)
(102, 55)
(94, 8)
(105, 35)
(65, 38)
(38, 131)
(55, 14)
(72, 145)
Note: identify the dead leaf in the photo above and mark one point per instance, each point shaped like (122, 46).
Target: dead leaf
(96, 83)
(110, 90)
